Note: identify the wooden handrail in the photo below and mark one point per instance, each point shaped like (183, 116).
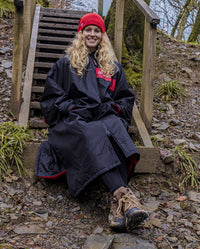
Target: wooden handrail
(150, 16)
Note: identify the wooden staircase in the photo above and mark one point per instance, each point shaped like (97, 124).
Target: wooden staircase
(53, 30)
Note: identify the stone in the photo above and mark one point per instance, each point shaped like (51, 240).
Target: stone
(128, 241)
(194, 196)
(97, 230)
(98, 242)
(6, 64)
(29, 229)
(151, 206)
(179, 141)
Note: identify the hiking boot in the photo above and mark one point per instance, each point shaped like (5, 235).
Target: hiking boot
(130, 207)
(116, 218)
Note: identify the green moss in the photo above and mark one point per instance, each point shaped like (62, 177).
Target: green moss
(132, 43)
(6, 8)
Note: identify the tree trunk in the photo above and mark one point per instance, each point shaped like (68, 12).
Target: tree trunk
(196, 27)
(190, 4)
(180, 16)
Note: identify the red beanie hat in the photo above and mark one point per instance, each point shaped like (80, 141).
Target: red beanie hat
(91, 19)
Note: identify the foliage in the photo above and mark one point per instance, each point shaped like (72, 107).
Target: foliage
(6, 7)
(155, 140)
(189, 169)
(12, 140)
(170, 90)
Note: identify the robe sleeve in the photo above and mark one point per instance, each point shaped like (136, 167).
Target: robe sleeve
(123, 96)
(55, 102)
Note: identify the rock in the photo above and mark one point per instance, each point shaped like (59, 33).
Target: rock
(194, 196)
(151, 206)
(188, 71)
(179, 141)
(49, 224)
(29, 229)
(195, 136)
(156, 222)
(174, 122)
(98, 242)
(6, 64)
(126, 241)
(163, 126)
(37, 203)
(97, 230)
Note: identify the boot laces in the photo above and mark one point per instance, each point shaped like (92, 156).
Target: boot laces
(127, 202)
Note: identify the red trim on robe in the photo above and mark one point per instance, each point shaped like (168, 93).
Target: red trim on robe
(56, 176)
(134, 161)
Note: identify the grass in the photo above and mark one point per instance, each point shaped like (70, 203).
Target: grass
(189, 170)
(6, 8)
(171, 90)
(12, 140)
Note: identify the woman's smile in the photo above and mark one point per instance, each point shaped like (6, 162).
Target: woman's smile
(93, 36)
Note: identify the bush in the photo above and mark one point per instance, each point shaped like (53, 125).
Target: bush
(170, 90)
(6, 8)
(12, 140)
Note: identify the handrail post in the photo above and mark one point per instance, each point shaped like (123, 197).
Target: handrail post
(29, 9)
(100, 7)
(119, 20)
(149, 47)
(15, 99)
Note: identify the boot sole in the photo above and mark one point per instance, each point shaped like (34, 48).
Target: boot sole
(133, 219)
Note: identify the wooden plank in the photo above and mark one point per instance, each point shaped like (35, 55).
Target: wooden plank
(51, 46)
(35, 105)
(37, 123)
(100, 7)
(57, 25)
(119, 20)
(58, 20)
(141, 127)
(43, 64)
(56, 39)
(149, 49)
(47, 55)
(148, 13)
(70, 12)
(150, 158)
(37, 89)
(24, 111)
(61, 15)
(39, 76)
(17, 66)
(57, 32)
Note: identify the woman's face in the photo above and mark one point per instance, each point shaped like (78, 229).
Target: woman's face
(93, 36)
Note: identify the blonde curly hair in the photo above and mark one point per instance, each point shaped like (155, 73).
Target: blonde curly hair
(104, 55)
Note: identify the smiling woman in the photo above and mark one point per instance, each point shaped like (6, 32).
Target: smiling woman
(88, 104)
(93, 36)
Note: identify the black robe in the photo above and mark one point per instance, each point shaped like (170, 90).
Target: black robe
(83, 115)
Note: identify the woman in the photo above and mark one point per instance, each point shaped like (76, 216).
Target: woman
(88, 106)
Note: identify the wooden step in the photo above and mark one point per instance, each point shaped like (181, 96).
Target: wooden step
(57, 32)
(37, 123)
(39, 76)
(52, 46)
(59, 20)
(47, 55)
(58, 25)
(56, 39)
(74, 13)
(149, 162)
(43, 65)
(35, 105)
(37, 89)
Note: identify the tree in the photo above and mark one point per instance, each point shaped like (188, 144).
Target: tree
(196, 27)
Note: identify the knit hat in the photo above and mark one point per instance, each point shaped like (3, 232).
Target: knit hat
(91, 19)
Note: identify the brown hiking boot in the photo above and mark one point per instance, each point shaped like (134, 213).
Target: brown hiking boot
(116, 218)
(130, 207)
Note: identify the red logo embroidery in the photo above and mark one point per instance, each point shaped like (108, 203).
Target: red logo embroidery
(100, 74)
